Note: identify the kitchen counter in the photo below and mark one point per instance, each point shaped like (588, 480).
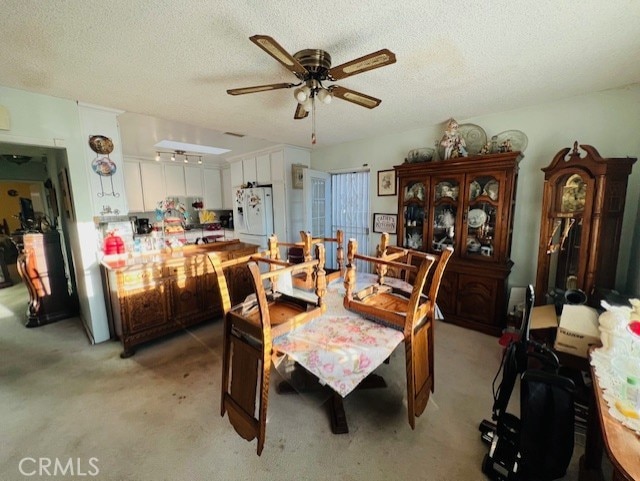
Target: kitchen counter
(150, 295)
(134, 261)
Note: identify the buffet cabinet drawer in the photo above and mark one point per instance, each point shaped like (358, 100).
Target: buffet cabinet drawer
(142, 277)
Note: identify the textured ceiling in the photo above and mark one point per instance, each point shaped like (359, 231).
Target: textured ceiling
(175, 60)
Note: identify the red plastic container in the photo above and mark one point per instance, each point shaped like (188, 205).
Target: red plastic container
(113, 244)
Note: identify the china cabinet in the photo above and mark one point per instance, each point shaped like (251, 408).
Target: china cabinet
(466, 203)
(582, 211)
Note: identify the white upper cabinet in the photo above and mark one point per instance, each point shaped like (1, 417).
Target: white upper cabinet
(193, 181)
(174, 177)
(263, 169)
(133, 186)
(212, 197)
(153, 188)
(249, 173)
(277, 166)
(236, 174)
(227, 199)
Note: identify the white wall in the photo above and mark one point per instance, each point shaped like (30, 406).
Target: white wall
(42, 120)
(608, 120)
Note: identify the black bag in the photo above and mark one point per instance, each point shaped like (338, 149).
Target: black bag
(547, 424)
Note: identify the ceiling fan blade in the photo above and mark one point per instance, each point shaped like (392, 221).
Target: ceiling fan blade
(368, 62)
(274, 49)
(355, 97)
(258, 88)
(301, 113)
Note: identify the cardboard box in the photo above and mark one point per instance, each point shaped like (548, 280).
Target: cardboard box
(578, 330)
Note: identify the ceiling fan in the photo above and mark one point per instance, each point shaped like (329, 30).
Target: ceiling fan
(312, 67)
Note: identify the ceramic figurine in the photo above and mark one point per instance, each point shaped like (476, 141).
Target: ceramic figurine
(486, 149)
(453, 143)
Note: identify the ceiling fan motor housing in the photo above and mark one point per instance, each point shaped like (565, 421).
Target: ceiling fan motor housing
(317, 62)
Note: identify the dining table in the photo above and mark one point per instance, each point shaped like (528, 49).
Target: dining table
(338, 351)
(608, 428)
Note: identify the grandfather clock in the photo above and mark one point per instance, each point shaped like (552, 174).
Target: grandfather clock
(582, 212)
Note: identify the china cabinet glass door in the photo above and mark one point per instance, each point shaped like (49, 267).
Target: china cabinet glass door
(483, 196)
(414, 194)
(446, 197)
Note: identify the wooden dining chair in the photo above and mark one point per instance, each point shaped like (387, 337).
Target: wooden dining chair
(249, 328)
(411, 312)
(308, 241)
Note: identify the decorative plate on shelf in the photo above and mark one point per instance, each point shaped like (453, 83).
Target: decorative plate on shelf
(416, 192)
(518, 139)
(491, 189)
(474, 190)
(446, 189)
(476, 218)
(474, 137)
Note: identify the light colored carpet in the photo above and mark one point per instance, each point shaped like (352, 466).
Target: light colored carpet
(156, 415)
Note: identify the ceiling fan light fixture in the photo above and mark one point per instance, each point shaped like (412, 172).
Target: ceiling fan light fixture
(157, 156)
(302, 94)
(324, 96)
(173, 157)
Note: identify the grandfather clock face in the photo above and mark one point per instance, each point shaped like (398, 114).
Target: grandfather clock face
(573, 194)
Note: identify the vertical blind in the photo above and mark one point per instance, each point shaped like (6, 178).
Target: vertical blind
(350, 210)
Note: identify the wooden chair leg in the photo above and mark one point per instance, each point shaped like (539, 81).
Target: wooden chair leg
(226, 354)
(411, 395)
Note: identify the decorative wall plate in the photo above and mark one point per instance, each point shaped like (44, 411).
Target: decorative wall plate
(101, 144)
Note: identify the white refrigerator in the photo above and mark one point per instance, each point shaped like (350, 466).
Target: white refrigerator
(253, 216)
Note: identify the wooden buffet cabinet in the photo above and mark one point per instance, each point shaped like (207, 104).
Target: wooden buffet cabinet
(467, 203)
(150, 296)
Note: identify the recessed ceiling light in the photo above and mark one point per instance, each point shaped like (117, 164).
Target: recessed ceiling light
(201, 149)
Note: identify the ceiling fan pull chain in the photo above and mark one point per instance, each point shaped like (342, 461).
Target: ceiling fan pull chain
(313, 120)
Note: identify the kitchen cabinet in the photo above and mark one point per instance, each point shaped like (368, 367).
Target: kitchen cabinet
(237, 178)
(174, 178)
(212, 196)
(583, 206)
(193, 181)
(153, 187)
(263, 169)
(249, 171)
(133, 187)
(467, 203)
(227, 199)
(287, 221)
(277, 166)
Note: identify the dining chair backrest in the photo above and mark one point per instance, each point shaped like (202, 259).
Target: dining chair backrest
(400, 254)
(308, 241)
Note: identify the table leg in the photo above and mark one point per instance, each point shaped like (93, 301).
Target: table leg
(591, 462)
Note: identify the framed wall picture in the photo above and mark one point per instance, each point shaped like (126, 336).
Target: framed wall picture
(385, 223)
(67, 199)
(386, 182)
(296, 173)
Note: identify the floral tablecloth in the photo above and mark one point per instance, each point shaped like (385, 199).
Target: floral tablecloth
(340, 348)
